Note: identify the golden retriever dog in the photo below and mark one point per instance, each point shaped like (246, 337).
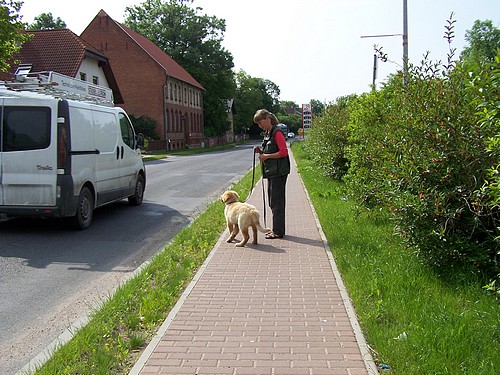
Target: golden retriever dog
(241, 216)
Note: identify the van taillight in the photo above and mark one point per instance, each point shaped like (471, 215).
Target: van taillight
(62, 147)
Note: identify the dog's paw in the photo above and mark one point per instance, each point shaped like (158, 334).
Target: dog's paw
(240, 244)
(229, 239)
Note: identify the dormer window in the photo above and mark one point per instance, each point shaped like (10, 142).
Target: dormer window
(83, 76)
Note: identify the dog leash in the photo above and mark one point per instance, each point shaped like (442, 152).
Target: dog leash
(263, 188)
(253, 179)
(253, 174)
(264, 201)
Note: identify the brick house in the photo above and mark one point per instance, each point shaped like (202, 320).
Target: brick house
(64, 52)
(151, 82)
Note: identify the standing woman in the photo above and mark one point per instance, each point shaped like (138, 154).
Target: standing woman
(275, 168)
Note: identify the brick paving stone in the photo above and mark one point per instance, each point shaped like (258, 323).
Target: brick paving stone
(278, 307)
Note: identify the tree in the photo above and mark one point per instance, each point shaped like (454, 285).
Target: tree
(270, 94)
(194, 42)
(317, 107)
(248, 100)
(11, 36)
(286, 105)
(253, 94)
(484, 42)
(293, 120)
(45, 21)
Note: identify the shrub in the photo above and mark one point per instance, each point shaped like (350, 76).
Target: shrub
(328, 139)
(146, 126)
(419, 149)
(487, 89)
(373, 149)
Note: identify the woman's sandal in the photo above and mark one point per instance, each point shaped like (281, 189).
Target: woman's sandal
(271, 236)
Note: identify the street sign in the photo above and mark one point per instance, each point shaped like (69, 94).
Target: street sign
(306, 116)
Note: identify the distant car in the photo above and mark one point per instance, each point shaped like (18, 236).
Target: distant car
(284, 129)
(291, 135)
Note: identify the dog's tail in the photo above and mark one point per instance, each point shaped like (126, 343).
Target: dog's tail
(256, 221)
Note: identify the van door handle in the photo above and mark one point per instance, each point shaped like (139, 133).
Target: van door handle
(117, 152)
(122, 152)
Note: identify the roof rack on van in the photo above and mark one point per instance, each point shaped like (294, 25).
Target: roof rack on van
(63, 86)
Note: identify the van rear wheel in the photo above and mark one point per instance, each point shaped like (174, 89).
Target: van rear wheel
(136, 199)
(84, 209)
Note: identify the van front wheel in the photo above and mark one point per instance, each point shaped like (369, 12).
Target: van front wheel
(136, 199)
(84, 210)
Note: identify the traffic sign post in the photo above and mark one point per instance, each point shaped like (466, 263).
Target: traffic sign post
(306, 118)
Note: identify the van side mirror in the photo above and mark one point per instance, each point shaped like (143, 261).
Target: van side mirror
(140, 140)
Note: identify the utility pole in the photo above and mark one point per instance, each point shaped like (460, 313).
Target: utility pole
(405, 41)
(374, 69)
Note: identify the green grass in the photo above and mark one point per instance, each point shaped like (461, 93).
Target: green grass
(415, 321)
(152, 157)
(162, 154)
(155, 155)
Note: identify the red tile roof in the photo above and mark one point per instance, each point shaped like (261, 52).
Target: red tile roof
(59, 50)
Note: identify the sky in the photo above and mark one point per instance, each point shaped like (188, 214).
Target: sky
(315, 49)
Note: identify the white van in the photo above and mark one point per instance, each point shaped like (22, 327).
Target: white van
(62, 157)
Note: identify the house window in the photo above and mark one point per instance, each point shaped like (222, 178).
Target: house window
(95, 80)
(83, 76)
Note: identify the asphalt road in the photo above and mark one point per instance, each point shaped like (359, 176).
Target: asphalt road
(52, 276)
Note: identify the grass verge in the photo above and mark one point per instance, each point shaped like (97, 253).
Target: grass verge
(415, 321)
(155, 155)
(118, 331)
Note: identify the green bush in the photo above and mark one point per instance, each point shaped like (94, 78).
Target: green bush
(373, 149)
(430, 158)
(487, 88)
(328, 139)
(426, 148)
(146, 126)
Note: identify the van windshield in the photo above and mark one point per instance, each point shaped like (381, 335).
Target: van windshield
(25, 128)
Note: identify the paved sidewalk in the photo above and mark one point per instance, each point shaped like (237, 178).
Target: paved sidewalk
(278, 307)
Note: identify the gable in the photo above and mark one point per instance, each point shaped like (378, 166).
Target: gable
(173, 68)
(164, 61)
